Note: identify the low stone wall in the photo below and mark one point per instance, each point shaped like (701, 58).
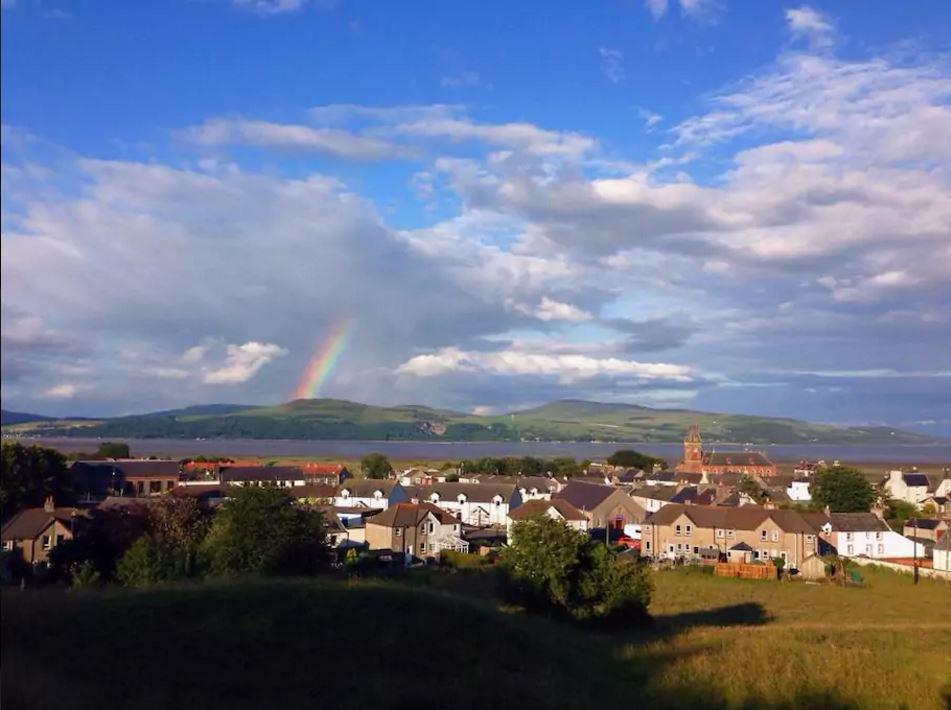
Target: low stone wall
(907, 569)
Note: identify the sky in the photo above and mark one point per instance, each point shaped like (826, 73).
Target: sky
(485, 206)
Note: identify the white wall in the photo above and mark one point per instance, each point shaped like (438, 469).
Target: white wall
(876, 545)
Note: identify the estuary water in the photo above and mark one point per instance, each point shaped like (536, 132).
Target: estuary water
(426, 450)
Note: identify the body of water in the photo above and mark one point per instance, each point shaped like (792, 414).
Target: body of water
(425, 450)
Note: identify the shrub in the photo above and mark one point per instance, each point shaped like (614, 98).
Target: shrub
(149, 561)
(84, 575)
(463, 560)
(553, 568)
(262, 531)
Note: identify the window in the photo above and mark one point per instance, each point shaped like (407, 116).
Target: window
(696, 550)
(878, 536)
(431, 527)
(881, 549)
(809, 538)
(762, 535)
(774, 536)
(8, 544)
(719, 533)
(46, 542)
(850, 549)
(398, 532)
(676, 530)
(689, 530)
(647, 545)
(848, 536)
(422, 547)
(731, 533)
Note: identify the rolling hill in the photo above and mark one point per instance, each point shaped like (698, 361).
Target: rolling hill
(564, 420)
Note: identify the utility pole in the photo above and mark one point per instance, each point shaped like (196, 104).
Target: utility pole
(914, 547)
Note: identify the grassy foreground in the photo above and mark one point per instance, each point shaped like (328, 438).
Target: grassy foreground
(330, 644)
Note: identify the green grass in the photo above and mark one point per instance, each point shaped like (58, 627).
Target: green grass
(441, 637)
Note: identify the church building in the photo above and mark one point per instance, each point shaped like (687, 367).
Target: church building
(696, 460)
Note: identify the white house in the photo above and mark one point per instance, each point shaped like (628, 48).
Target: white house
(909, 487)
(369, 493)
(479, 504)
(558, 509)
(867, 535)
(798, 490)
(941, 555)
(653, 498)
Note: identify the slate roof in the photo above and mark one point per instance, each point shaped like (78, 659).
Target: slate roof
(365, 487)
(584, 496)
(138, 468)
(474, 492)
(742, 547)
(313, 490)
(532, 508)
(923, 523)
(405, 515)
(857, 522)
(29, 523)
(915, 479)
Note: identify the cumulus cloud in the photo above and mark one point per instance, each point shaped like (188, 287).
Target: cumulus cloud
(243, 362)
(566, 367)
(61, 391)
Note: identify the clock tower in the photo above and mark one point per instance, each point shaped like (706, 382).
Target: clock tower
(693, 451)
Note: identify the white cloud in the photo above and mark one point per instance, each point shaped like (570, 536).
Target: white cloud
(566, 367)
(61, 391)
(657, 8)
(697, 10)
(194, 354)
(335, 142)
(811, 24)
(270, 7)
(611, 64)
(550, 309)
(243, 362)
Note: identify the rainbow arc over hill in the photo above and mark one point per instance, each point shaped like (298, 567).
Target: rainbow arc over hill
(322, 362)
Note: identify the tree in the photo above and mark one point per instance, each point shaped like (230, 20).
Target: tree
(149, 561)
(751, 488)
(260, 530)
(843, 489)
(376, 466)
(105, 536)
(113, 450)
(551, 567)
(30, 474)
(628, 458)
(180, 525)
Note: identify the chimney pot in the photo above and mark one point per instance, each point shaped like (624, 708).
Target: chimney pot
(48, 505)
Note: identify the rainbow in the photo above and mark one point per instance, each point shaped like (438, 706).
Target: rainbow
(322, 362)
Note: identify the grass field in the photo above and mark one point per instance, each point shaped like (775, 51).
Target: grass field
(441, 637)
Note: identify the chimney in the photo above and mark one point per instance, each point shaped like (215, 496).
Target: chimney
(48, 505)
(827, 510)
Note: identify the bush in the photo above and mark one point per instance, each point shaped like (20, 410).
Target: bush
(553, 568)
(463, 560)
(149, 561)
(262, 531)
(84, 575)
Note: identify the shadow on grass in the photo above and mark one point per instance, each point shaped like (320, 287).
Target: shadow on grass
(325, 644)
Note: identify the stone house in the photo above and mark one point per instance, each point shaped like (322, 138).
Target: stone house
(416, 529)
(36, 531)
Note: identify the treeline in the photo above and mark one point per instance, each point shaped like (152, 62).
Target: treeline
(256, 531)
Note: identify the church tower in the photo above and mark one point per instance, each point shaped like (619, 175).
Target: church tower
(693, 451)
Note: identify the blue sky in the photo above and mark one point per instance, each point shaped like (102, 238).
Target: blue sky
(734, 206)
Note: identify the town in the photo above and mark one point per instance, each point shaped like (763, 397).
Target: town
(728, 509)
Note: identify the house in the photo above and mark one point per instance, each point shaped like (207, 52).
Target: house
(420, 529)
(135, 477)
(370, 493)
(36, 531)
(277, 476)
(941, 555)
(478, 504)
(867, 535)
(696, 460)
(931, 529)
(325, 474)
(557, 509)
(909, 487)
(683, 531)
(604, 506)
(798, 490)
(531, 487)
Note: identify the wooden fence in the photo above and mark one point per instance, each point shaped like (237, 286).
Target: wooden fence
(741, 571)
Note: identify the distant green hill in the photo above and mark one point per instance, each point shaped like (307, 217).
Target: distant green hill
(564, 420)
